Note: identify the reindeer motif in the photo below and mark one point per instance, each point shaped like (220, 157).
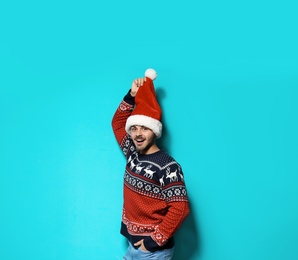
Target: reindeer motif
(161, 181)
(139, 168)
(181, 176)
(132, 164)
(129, 159)
(171, 175)
(148, 172)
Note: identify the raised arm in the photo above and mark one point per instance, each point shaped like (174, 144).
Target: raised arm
(124, 111)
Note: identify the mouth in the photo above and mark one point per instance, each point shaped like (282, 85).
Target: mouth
(139, 141)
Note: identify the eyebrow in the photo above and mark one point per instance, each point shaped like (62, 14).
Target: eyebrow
(134, 126)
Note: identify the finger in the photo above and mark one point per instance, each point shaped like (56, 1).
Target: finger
(142, 80)
(144, 248)
(138, 243)
(139, 82)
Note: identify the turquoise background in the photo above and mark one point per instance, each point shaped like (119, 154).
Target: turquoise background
(228, 86)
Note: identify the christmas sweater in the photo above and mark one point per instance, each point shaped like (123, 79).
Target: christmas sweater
(155, 197)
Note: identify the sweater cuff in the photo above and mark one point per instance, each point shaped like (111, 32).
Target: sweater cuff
(128, 98)
(150, 244)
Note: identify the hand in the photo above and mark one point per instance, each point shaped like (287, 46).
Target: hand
(141, 244)
(136, 84)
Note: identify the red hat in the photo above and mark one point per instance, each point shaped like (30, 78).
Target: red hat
(147, 111)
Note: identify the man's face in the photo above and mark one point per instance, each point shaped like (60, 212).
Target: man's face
(143, 138)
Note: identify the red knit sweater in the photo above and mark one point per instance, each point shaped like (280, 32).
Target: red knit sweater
(155, 198)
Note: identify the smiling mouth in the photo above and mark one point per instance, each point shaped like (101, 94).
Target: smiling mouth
(139, 141)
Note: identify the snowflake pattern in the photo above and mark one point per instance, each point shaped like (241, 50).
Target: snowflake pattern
(141, 186)
(137, 228)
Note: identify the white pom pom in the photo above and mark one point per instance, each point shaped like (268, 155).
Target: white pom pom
(151, 73)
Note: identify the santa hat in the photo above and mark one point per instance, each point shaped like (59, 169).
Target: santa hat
(147, 111)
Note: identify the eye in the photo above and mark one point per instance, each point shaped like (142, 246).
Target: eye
(133, 128)
(144, 128)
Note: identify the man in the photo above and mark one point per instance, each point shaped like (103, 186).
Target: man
(155, 199)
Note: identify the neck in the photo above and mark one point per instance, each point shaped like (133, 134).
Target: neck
(152, 149)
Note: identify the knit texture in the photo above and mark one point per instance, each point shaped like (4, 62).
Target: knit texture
(155, 197)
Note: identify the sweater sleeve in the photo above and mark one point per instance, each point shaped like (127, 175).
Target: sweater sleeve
(178, 208)
(119, 120)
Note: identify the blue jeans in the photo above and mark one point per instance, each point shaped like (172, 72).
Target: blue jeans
(138, 254)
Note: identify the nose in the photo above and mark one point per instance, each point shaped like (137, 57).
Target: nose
(139, 131)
